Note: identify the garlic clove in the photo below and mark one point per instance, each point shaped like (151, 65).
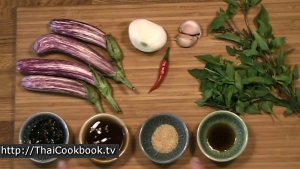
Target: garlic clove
(185, 40)
(190, 27)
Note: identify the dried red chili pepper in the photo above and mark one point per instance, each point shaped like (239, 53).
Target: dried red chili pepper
(163, 70)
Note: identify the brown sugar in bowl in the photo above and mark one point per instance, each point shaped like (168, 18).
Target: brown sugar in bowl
(159, 129)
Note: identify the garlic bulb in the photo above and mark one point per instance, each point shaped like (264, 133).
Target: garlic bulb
(189, 33)
(146, 35)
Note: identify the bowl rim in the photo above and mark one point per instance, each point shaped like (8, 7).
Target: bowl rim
(118, 120)
(35, 115)
(230, 114)
(185, 129)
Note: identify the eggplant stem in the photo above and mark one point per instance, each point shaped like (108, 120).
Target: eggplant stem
(113, 103)
(94, 97)
(119, 76)
(99, 107)
(105, 89)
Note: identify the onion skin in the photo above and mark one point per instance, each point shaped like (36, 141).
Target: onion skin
(78, 30)
(57, 43)
(60, 68)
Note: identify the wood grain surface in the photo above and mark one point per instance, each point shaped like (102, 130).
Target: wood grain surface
(7, 62)
(272, 143)
(270, 146)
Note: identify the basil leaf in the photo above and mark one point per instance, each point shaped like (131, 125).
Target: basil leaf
(209, 59)
(255, 2)
(228, 92)
(206, 85)
(245, 44)
(288, 112)
(257, 80)
(278, 42)
(252, 72)
(245, 59)
(254, 45)
(245, 6)
(207, 94)
(284, 87)
(229, 36)
(298, 95)
(232, 8)
(295, 73)
(230, 71)
(261, 42)
(250, 52)
(260, 92)
(198, 73)
(264, 29)
(267, 106)
(253, 51)
(243, 73)
(252, 109)
(200, 102)
(238, 81)
(259, 67)
(262, 20)
(219, 22)
(240, 107)
(230, 50)
(281, 58)
(234, 3)
(263, 15)
(283, 78)
(216, 69)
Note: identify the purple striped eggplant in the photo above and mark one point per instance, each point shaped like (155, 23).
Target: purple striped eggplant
(67, 69)
(63, 86)
(57, 43)
(78, 30)
(59, 68)
(88, 33)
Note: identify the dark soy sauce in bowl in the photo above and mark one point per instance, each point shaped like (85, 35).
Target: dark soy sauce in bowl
(221, 137)
(105, 131)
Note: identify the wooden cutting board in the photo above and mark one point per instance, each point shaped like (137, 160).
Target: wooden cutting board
(272, 143)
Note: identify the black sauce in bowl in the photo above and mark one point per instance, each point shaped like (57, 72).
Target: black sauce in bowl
(105, 131)
(46, 131)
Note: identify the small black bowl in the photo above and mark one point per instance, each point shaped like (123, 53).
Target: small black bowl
(31, 121)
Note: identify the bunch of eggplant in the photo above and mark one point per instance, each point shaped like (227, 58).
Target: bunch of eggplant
(85, 79)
